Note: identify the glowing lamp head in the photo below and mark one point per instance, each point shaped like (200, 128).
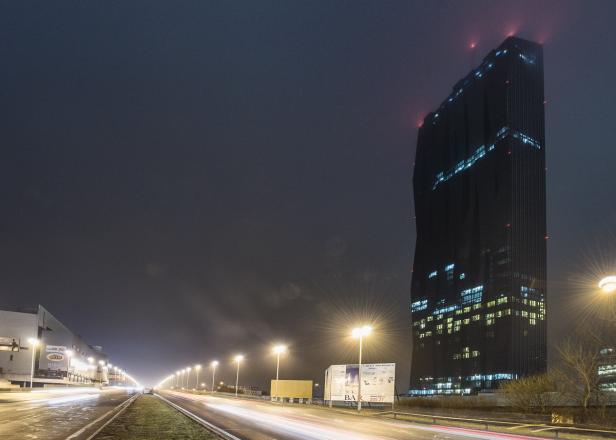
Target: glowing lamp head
(101, 362)
(239, 358)
(214, 364)
(608, 284)
(280, 349)
(188, 369)
(358, 332)
(197, 367)
(69, 353)
(33, 341)
(91, 360)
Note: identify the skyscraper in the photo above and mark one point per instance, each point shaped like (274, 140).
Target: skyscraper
(478, 287)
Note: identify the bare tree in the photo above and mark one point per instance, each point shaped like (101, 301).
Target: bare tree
(580, 364)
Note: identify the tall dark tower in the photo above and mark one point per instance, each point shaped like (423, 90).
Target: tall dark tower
(478, 289)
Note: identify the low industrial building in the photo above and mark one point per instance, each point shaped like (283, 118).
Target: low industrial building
(33, 340)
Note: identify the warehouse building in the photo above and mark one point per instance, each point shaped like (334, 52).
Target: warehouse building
(33, 340)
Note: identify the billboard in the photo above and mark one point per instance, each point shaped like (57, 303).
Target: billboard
(292, 389)
(378, 382)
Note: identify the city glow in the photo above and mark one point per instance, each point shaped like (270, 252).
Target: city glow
(361, 331)
(608, 284)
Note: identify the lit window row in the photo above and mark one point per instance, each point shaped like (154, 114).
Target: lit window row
(463, 165)
(527, 59)
(525, 139)
(472, 295)
(480, 152)
(416, 306)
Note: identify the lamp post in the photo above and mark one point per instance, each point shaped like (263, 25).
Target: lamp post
(177, 379)
(213, 364)
(608, 284)
(69, 355)
(608, 288)
(360, 332)
(238, 359)
(278, 350)
(197, 368)
(188, 377)
(102, 364)
(33, 344)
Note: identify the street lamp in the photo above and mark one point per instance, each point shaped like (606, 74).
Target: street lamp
(188, 377)
(608, 284)
(213, 364)
(197, 368)
(33, 344)
(177, 379)
(278, 350)
(238, 359)
(360, 332)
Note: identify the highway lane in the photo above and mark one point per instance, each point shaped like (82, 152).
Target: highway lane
(256, 420)
(55, 414)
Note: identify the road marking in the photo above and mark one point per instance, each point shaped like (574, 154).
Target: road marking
(126, 403)
(221, 432)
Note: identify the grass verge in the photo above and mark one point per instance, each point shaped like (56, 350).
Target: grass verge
(149, 418)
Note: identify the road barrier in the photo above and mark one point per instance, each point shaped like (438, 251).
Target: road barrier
(505, 426)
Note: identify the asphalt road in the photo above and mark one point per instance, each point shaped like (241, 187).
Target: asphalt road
(55, 414)
(255, 420)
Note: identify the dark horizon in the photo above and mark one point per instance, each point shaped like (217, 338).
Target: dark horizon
(185, 182)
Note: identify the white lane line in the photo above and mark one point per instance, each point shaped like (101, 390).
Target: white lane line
(221, 432)
(126, 403)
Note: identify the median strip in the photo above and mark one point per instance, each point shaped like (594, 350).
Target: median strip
(148, 418)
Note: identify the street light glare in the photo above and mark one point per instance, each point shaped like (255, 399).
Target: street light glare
(214, 363)
(608, 284)
(198, 367)
(239, 358)
(33, 341)
(280, 349)
(361, 331)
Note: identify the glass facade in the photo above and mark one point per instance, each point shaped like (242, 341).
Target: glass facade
(478, 291)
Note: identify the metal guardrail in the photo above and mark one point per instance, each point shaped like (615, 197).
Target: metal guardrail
(534, 428)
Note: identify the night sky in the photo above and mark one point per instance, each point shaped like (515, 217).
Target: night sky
(183, 181)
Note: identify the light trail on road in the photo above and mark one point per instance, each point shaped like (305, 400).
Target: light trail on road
(256, 420)
(54, 414)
